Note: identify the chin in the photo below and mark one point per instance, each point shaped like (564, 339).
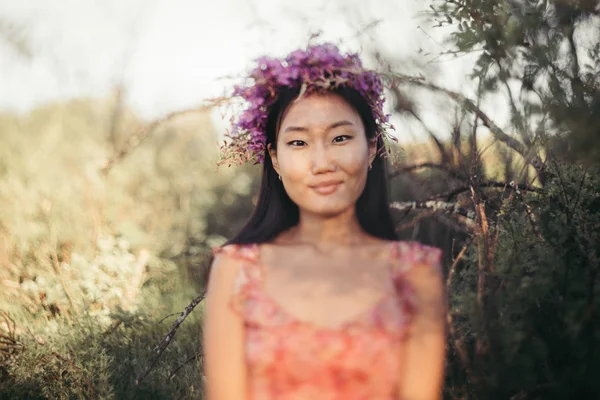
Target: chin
(328, 210)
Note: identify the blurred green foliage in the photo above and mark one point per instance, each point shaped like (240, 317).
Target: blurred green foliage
(531, 332)
(91, 260)
(524, 298)
(545, 56)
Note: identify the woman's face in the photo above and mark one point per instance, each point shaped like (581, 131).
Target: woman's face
(323, 154)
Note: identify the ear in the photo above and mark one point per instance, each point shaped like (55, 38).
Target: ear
(273, 154)
(372, 149)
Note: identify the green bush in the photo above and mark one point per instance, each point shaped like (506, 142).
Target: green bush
(83, 359)
(90, 261)
(532, 332)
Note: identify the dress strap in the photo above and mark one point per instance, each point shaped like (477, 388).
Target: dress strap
(250, 267)
(247, 251)
(409, 254)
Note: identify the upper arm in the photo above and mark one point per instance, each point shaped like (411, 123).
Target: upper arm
(224, 364)
(425, 348)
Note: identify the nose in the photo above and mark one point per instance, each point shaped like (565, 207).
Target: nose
(322, 160)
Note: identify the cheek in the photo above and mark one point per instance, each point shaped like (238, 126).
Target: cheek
(357, 178)
(355, 165)
(353, 162)
(294, 165)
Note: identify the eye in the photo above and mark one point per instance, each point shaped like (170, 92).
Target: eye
(296, 143)
(342, 138)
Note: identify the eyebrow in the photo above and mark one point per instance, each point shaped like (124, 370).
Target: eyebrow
(330, 127)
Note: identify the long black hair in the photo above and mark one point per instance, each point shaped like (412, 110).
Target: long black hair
(275, 212)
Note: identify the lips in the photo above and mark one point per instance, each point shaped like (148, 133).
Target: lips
(325, 188)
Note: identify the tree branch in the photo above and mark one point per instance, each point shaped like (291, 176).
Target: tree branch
(141, 134)
(496, 131)
(487, 121)
(183, 364)
(517, 117)
(464, 216)
(576, 84)
(164, 343)
(410, 168)
(491, 184)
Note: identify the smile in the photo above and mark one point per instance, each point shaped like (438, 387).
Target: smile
(326, 187)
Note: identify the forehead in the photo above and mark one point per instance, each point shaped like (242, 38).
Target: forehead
(319, 109)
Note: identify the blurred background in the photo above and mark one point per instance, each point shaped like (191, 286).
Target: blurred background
(111, 116)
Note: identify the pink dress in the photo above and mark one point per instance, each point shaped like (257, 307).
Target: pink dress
(289, 359)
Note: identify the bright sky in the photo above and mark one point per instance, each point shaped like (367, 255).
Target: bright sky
(172, 54)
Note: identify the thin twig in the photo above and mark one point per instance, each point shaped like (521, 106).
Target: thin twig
(575, 203)
(432, 205)
(456, 222)
(449, 195)
(169, 316)
(458, 342)
(39, 342)
(10, 323)
(455, 263)
(9, 343)
(496, 131)
(57, 269)
(532, 221)
(141, 134)
(410, 168)
(164, 343)
(415, 220)
(463, 215)
(183, 364)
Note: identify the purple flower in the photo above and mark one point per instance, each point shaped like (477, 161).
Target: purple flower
(321, 68)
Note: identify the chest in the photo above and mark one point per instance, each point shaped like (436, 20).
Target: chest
(327, 293)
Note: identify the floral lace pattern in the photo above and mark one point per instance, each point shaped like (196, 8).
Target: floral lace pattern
(290, 359)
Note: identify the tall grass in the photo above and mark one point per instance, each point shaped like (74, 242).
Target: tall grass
(91, 261)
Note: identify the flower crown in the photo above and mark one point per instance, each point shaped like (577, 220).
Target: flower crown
(317, 69)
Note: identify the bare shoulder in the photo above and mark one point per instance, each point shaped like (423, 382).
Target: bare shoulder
(225, 269)
(374, 248)
(421, 266)
(223, 329)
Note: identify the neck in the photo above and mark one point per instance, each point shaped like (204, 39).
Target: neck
(323, 232)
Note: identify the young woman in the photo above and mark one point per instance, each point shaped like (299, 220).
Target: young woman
(315, 298)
